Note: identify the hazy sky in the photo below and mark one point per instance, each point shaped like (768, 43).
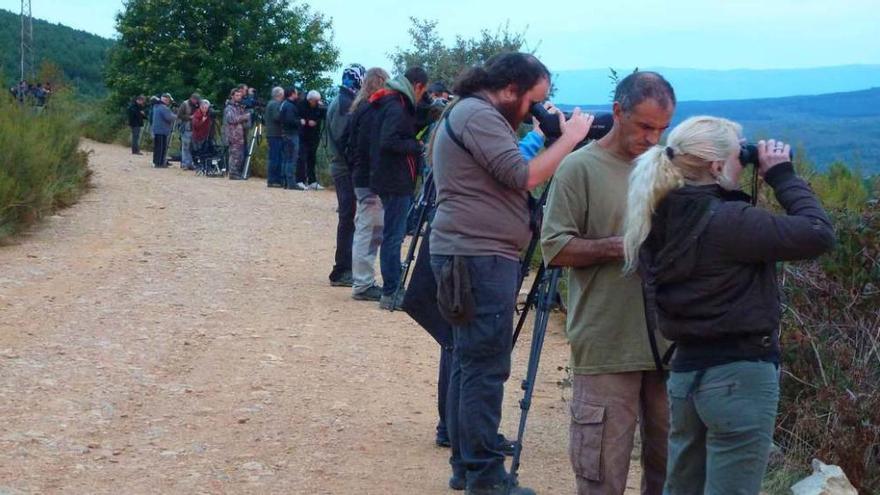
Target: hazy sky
(707, 34)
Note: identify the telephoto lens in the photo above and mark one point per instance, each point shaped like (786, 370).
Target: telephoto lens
(602, 123)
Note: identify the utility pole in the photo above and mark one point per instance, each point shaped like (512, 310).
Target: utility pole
(27, 41)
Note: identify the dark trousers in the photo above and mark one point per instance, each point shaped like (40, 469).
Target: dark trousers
(160, 149)
(347, 204)
(289, 153)
(136, 139)
(480, 366)
(308, 160)
(395, 208)
(443, 378)
(274, 172)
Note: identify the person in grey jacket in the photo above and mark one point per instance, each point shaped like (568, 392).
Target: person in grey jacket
(708, 258)
(162, 122)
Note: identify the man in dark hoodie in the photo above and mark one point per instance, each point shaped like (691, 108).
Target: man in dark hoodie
(394, 157)
(291, 122)
(136, 116)
(338, 117)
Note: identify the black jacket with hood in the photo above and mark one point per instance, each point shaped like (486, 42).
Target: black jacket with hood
(394, 149)
(709, 264)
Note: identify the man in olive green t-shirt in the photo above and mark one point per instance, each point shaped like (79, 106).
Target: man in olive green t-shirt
(616, 382)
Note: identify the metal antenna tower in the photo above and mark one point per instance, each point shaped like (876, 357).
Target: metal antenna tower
(27, 41)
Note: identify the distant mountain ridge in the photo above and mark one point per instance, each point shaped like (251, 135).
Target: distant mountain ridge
(593, 85)
(828, 127)
(80, 55)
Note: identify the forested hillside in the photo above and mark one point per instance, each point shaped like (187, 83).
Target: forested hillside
(830, 127)
(80, 55)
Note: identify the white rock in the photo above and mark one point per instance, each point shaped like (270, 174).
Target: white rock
(825, 480)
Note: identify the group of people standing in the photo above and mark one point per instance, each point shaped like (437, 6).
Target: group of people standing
(377, 156)
(663, 248)
(27, 92)
(287, 126)
(293, 129)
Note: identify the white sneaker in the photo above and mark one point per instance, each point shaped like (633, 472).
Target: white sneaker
(302, 186)
(316, 186)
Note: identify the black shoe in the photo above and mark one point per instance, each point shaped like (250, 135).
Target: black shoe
(501, 489)
(373, 293)
(507, 447)
(343, 280)
(272, 184)
(391, 303)
(457, 483)
(136, 153)
(442, 441)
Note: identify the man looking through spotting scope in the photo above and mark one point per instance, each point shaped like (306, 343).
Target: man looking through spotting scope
(481, 225)
(618, 378)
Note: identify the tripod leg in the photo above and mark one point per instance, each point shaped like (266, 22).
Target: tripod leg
(542, 316)
(530, 301)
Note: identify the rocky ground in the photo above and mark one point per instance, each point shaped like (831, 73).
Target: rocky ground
(177, 334)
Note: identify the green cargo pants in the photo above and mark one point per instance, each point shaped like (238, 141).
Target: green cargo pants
(721, 428)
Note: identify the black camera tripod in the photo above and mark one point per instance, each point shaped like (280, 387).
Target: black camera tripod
(543, 296)
(423, 204)
(255, 140)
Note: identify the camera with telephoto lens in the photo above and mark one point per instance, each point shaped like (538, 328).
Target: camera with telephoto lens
(549, 122)
(748, 155)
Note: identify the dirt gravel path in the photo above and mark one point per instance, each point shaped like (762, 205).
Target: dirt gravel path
(177, 334)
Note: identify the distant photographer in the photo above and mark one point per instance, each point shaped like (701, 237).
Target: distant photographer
(236, 120)
(480, 228)
(184, 117)
(708, 258)
(313, 112)
(136, 116)
(162, 122)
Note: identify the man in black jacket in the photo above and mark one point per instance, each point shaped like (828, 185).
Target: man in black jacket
(291, 122)
(394, 159)
(136, 118)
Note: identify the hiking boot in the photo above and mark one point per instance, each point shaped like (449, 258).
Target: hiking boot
(457, 483)
(389, 302)
(373, 293)
(442, 441)
(501, 489)
(315, 186)
(343, 280)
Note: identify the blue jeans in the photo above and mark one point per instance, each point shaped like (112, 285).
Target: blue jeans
(186, 158)
(395, 208)
(276, 151)
(480, 366)
(721, 427)
(135, 139)
(289, 154)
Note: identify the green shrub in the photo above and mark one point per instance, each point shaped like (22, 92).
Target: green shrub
(41, 165)
(830, 391)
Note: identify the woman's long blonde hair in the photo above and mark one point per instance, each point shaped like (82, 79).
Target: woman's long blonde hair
(374, 80)
(691, 148)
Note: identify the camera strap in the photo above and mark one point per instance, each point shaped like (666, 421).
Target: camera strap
(455, 139)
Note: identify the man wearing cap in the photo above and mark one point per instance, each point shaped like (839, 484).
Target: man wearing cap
(184, 115)
(163, 119)
(338, 116)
